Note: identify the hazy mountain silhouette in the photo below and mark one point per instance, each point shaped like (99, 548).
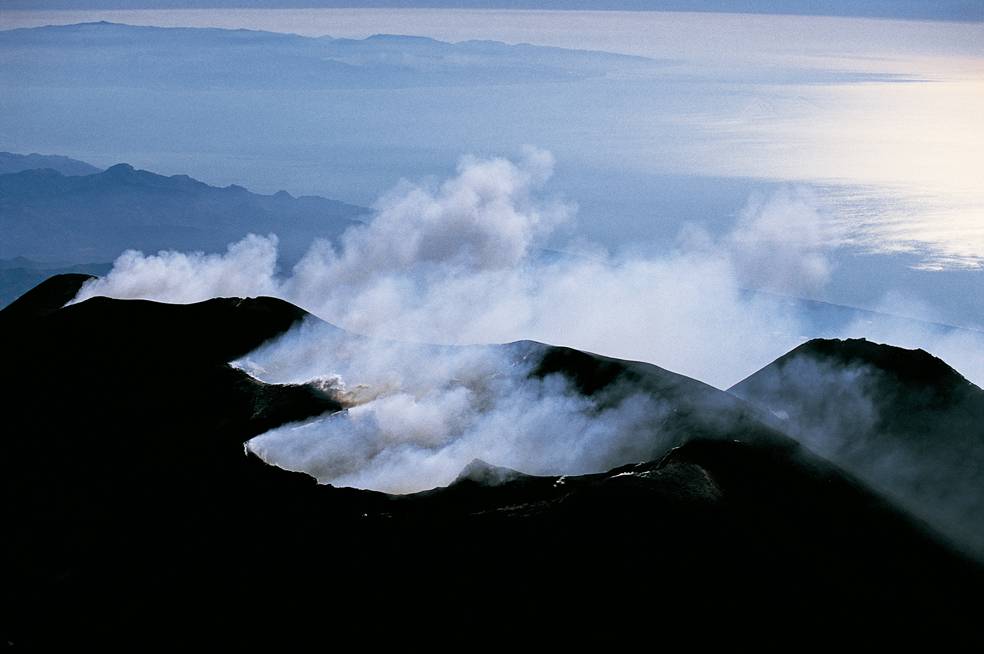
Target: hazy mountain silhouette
(902, 420)
(15, 163)
(135, 513)
(111, 54)
(47, 215)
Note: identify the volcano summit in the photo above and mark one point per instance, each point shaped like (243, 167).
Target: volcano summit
(134, 510)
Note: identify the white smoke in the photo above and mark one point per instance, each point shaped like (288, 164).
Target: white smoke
(248, 267)
(420, 414)
(482, 219)
(458, 263)
(780, 242)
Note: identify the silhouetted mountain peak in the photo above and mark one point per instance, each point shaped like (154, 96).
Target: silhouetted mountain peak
(131, 496)
(404, 39)
(914, 370)
(486, 474)
(119, 169)
(909, 366)
(45, 298)
(219, 329)
(902, 420)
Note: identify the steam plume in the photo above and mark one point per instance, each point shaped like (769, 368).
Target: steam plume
(458, 263)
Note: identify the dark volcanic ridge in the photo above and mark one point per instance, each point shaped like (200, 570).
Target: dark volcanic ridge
(132, 497)
(19, 275)
(45, 298)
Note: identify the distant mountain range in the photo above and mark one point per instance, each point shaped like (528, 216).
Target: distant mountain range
(48, 216)
(131, 496)
(15, 163)
(110, 54)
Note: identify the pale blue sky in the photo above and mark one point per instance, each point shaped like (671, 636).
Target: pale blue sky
(958, 10)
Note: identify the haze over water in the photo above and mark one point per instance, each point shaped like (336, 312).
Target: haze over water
(883, 120)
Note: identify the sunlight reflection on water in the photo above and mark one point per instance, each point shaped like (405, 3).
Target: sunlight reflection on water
(782, 98)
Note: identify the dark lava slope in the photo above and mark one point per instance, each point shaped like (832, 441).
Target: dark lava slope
(135, 518)
(902, 420)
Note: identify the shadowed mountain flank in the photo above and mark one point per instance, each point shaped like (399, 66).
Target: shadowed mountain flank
(696, 409)
(902, 420)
